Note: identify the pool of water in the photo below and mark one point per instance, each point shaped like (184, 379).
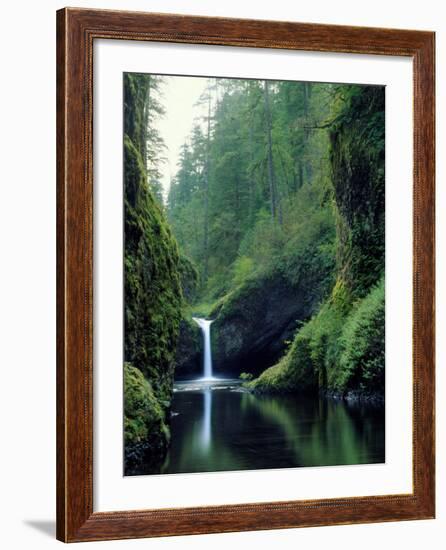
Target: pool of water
(217, 426)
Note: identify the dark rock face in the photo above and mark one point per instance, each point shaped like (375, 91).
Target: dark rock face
(144, 457)
(189, 356)
(252, 326)
(358, 178)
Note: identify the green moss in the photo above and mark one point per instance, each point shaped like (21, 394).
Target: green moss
(362, 344)
(143, 414)
(209, 309)
(357, 162)
(188, 277)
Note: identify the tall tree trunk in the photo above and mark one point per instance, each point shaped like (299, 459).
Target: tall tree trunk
(271, 173)
(206, 193)
(251, 181)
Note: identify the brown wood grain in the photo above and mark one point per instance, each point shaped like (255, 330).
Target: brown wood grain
(76, 31)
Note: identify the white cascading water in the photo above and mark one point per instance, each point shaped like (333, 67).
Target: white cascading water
(205, 326)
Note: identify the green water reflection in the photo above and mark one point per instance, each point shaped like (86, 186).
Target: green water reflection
(222, 428)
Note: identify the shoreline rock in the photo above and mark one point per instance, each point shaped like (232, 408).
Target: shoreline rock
(351, 397)
(355, 396)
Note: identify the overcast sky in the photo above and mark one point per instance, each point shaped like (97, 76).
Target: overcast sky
(180, 93)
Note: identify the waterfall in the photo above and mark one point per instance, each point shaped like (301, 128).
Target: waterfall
(205, 326)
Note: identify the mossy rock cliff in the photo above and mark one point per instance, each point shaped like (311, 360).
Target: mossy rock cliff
(152, 290)
(341, 349)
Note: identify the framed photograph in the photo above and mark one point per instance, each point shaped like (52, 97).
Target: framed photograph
(245, 275)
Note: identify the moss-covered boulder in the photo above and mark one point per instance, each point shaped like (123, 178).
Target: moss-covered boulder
(146, 434)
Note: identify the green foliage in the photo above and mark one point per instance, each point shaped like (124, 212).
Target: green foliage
(143, 414)
(202, 309)
(223, 189)
(362, 345)
(246, 376)
(142, 107)
(188, 277)
(242, 269)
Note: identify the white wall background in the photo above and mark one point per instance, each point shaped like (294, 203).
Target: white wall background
(27, 274)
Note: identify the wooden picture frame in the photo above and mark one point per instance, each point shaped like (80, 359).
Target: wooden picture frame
(77, 29)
